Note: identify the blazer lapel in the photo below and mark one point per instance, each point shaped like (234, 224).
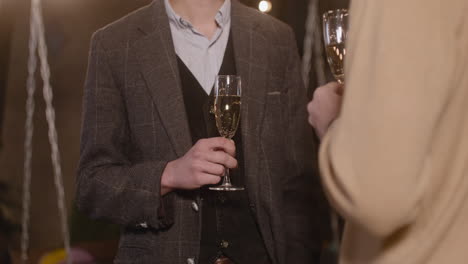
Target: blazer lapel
(251, 64)
(248, 58)
(158, 62)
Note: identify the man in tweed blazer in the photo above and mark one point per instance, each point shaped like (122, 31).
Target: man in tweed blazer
(137, 158)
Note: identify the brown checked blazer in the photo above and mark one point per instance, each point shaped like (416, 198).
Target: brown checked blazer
(135, 122)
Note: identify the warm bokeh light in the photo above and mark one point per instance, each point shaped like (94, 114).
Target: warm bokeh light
(264, 6)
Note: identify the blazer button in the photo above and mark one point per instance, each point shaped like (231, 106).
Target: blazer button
(195, 206)
(190, 261)
(143, 225)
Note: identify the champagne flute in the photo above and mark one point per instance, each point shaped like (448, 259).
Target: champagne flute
(335, 28)
(227, 110)
(335, 31)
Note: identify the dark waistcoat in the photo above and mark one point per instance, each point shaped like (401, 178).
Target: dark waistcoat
(228, 224)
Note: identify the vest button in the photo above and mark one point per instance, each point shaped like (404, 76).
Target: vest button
(224, 244)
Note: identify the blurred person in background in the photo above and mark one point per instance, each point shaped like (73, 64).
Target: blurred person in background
(394, 162)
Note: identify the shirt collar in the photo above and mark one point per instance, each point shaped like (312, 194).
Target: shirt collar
(223, 17)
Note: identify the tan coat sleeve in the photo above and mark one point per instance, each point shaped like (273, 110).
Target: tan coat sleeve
(375, 160)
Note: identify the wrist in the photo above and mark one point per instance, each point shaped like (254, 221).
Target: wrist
(166, 179)
(327, 129)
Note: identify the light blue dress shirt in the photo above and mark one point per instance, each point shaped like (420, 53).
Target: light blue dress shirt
(201, 55)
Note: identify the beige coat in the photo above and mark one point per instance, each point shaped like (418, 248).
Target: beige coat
(395, 163)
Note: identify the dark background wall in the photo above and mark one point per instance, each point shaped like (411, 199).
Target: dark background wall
(5, 37)
(69, 25)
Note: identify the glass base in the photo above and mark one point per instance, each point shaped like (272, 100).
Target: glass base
(226, 188)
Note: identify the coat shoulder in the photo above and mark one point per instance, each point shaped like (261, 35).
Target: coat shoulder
(125, 30)
(275, 30)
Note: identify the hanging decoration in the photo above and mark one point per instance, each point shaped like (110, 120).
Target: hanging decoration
(313, 48)
(37, 46)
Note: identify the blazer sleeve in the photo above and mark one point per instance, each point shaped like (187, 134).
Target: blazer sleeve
(375, 159)
(305, 207)
(109, 184)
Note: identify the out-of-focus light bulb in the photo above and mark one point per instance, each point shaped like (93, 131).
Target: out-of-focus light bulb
(264, 6)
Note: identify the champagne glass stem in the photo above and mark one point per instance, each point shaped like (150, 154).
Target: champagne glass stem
(226, 178)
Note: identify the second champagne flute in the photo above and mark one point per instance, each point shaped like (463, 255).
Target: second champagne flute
(227, 110)
(335, 30)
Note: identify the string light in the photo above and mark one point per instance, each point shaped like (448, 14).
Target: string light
(264, 6)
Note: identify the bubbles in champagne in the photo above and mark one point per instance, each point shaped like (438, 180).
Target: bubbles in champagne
(336, 55)
(227, 113)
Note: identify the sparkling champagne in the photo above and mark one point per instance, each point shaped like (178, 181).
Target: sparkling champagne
(336, 54)
(227, 113)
